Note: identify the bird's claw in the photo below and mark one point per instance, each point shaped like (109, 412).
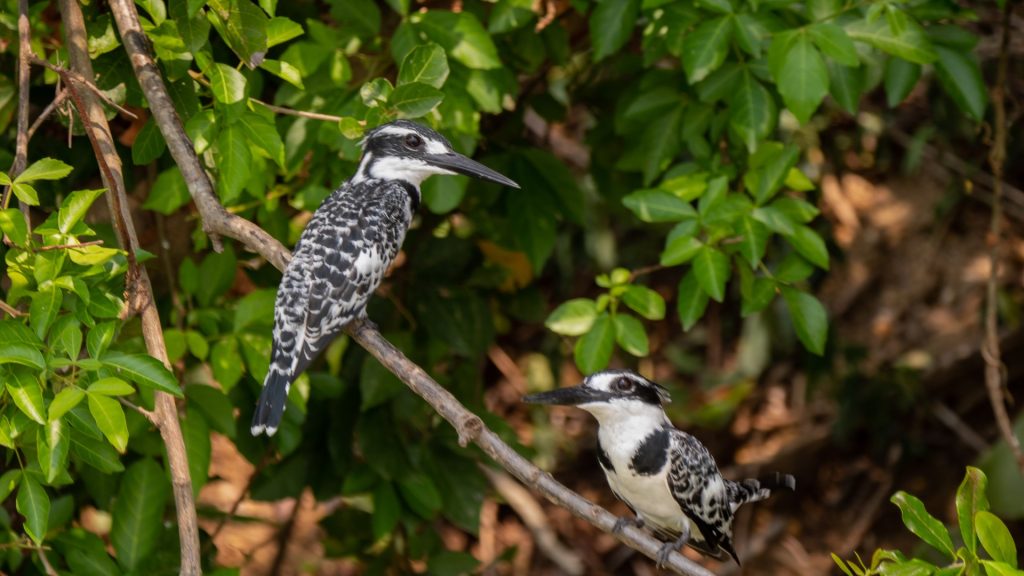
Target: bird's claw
(621, 524)
(664, 553)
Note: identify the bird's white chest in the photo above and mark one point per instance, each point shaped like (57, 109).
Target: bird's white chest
(648, 495)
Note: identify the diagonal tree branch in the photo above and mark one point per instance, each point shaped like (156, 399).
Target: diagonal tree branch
(216, 220)
(137, 281)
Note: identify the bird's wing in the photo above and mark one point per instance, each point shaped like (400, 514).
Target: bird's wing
(701, 492)
(349, 262)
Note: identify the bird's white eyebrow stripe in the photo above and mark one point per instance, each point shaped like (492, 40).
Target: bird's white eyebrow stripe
(432, 146)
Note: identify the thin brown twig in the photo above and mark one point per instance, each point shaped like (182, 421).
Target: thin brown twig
(46, 562)
(68, 74)
(137, 280)
(145, 413)
(994, 368)
(69, 246)
(10, 310)
(299, 113)
(24, 76)
(53, 105)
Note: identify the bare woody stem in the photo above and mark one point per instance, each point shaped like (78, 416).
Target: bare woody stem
(994, 369)
(216, 220)
(137, 283)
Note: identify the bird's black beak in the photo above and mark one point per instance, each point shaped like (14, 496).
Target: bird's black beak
(458, 163)
(567, 396)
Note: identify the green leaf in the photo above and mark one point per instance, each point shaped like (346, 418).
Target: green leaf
(44, 169)
(692, 300)
(611, 25)
(196, 433)
(144, 370)
(149, 144)
(263, 134)
(971, 499)
(193, 27)
(65, 400)
(916, 517)
(996, 538)
(285, 71)
(415, 99)
(23, 387)
(711, 266)
(705, 48)
(360, 17)
(661, 141)
(44, 308)
(109, 416)
(573, 318)
(169, 193)
(53, 446)
(594, 350)
(810, 245)
(846, 85)
(803, 81)
(226, 363)
(644, 301)
(138, 513)
(810, 321)
(756, 293)
(227, 84)
(680, 250)
(630, 335)
(461, 35)
(960, 76)
(754, 240)
(111, 386)
(243, 25)
(74, 208)
(95, 453)
(999, 569)
(752, 110)
(387, 510)
(25, 193)
(13, 224)
(215, 406)
(421, 494)
(658, 206)
(911, 43)
(834, 42)
(235, 163)
(8, 482)
(426, 64)
(900, 78)
(34, 504)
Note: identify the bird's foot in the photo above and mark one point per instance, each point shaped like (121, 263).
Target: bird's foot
(621, 524)
(668, 548)
(366, 324)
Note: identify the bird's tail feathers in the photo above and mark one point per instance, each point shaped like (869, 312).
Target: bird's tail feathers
(270, 406)
(757, 489)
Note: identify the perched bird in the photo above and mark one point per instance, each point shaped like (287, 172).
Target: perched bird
(667, 477)
(347, 247)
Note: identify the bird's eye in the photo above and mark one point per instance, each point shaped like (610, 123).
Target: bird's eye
(413, 141)
(623, 385)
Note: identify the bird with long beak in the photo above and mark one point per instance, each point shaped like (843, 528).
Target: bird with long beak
(347, 247)
(667, 477)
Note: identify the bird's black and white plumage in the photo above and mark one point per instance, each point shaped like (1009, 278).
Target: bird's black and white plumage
(347, 247)
(665, 476)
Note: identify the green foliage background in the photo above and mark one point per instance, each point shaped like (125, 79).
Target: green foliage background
(696, 114)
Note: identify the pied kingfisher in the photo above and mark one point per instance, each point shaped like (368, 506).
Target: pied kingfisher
(347, 247)
(666, 476)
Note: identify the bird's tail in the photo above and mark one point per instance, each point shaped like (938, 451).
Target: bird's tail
(270, 406)
(756, 489)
